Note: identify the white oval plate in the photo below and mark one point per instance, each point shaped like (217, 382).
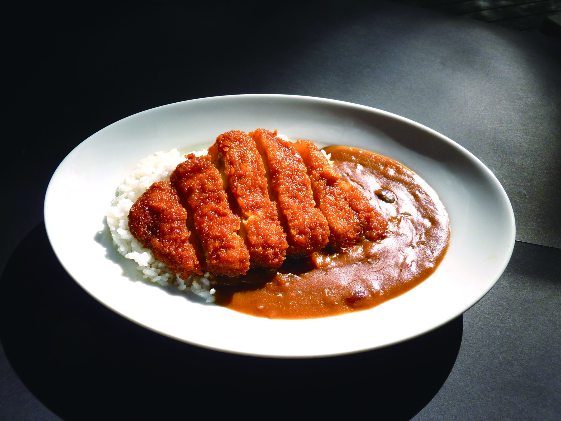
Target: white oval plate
(81, 190)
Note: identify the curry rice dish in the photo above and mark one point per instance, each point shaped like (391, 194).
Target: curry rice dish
(279, 229)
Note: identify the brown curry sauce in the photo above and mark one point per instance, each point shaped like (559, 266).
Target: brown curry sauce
(365, 275)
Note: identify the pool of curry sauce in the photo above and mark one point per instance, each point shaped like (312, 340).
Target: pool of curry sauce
(364, 275)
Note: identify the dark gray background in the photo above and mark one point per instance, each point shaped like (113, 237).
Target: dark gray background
(71, 69)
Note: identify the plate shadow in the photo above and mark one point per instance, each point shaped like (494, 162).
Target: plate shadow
(84, 361)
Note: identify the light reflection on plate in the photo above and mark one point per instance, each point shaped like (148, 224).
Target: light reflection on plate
(81, 190)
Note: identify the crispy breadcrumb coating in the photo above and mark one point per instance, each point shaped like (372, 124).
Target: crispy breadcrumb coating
(344, 225)
(374, 225)
(158, 220)
(252, 201)
(200, 185)
(243, 168)
(307, 228)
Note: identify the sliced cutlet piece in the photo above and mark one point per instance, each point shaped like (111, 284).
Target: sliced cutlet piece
(158, 221)
(344, 225)
(244, 171)
(306, 227)
(199, 183)
(374, 225)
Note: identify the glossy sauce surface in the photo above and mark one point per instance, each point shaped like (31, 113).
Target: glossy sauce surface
(365, 275)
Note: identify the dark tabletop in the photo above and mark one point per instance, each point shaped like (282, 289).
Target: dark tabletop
(72, 68)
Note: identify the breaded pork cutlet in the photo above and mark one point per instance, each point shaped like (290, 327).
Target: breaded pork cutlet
(345, 228)
(306, 227)
(374, 225)
(199, 183)
(237, 156)
(158, 221)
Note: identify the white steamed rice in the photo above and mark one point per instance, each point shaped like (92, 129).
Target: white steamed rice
(157, 167)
